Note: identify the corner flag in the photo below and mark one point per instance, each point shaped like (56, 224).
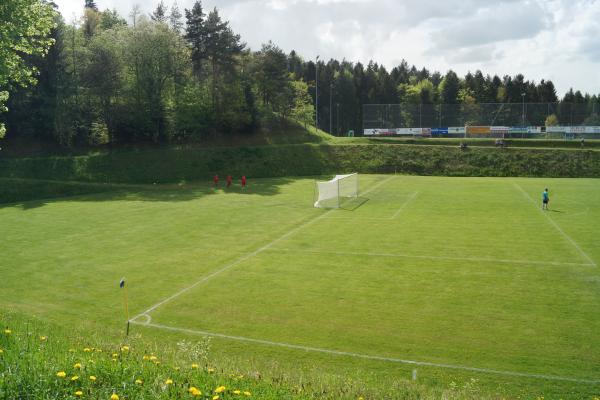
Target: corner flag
(122, 286)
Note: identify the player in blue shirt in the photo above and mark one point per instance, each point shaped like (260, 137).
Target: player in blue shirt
(545, 199)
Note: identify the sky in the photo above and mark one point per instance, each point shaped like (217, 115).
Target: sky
(542, 39)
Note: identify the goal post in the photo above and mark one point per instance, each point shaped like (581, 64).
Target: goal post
(332, 193)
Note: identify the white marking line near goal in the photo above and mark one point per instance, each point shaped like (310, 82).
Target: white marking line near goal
(245, 257)
(369, 357)
(558, 228)
(399, 210)
(397, 255)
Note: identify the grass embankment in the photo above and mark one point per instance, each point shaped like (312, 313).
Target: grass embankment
(478, 142)
(39, 360)
(176, 165)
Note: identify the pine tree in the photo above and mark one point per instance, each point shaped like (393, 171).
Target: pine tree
(175, 18)
(91, 4)
(160, 13)
(195, 35)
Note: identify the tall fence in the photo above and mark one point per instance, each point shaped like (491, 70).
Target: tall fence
(390, 116)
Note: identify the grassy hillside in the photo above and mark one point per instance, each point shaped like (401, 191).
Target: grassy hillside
(170, 165)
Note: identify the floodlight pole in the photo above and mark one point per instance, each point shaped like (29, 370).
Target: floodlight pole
(317, 94)
(523, 116)
(330, 107)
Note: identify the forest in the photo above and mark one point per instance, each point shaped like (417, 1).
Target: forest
(182, 76)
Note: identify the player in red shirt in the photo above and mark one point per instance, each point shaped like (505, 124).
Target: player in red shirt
(229, 179)
(244, 182)
(216, 180)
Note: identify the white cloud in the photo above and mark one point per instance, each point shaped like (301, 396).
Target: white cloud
(543, 39)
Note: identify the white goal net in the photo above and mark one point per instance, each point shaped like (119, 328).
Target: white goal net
(332, 193)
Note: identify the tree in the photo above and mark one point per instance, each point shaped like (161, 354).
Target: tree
(160, 13)
(551, 120)
(25, 26)
(91, 5)
(175, 18)
(110, 19)
(195, 35)
(303, 110)
(270, 73)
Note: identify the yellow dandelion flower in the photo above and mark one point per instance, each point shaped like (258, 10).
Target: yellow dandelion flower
(156, 362)
(125, 348)
(92, 378)
(1, 351)
(145, 358)
(153, 358)
(361, 398)
(74, 378)
(194, 366)
(61, 374)
(196, 393)
(220, 389)
(77, 366)
(216, 397)
(247, 393)
(7, 331)
(79, 393)
(192, 389)
(114, 396)
(43, 338)
(115, 355)
(138, 382)
(98, 350)
(86, 349)
(169, 382)
(237, 392)
(211, 370)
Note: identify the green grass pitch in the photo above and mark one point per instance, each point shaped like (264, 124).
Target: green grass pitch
(454, 277)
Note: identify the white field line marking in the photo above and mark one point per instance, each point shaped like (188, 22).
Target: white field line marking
(558, 228)
(245, 257)
(370, 357)
(399, 210)
(397, 255)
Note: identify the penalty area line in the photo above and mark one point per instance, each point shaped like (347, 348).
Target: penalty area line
(399, 210)
(558, 228)
(367, 356)
(246, 257)
(442, 258)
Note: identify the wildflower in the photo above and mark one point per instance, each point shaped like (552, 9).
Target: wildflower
(74, 378)
(125, 349)
(220, 389)
(77, 366)
(211, 370)
(7, 331)
(169, 382)
(115, 355)
(87, 349)
(247, 393)
(79, 393)
(43, 338)
(145, 358)
(237, 392)
(176, 368)
(156, 362)
(194, 366)
(114, 396)
(1, 351)
(138, 382)
(216, 397)
(98, 350)
(61, 374)
(194, 391)
(92, 378)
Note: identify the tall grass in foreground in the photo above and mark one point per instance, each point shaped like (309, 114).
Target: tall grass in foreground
(38, 361)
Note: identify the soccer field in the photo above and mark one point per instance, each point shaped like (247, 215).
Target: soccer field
(455, 277)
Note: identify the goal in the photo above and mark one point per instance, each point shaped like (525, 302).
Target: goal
(332, 193)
